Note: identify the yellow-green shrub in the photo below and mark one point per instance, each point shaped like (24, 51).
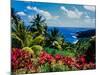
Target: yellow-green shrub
(37, 49)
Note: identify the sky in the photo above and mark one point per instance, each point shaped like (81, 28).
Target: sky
(58, 15)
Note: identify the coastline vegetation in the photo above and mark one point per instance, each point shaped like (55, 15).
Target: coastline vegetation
(35, 50)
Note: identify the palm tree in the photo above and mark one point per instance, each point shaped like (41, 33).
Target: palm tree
(38, 28)
(38, 24)
(19, 34)
(55, 39)
(14, 20)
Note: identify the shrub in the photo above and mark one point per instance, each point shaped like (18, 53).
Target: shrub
(37, 49)
(21, 60)
(61, 52)
(81, 63)
(58, 57)
(38, 40)
(57, 67)
(28, 49)
(44, 68)
(45, 57)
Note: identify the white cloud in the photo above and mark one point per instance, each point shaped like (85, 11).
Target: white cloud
(87, 17)
(46, 14)
(90, 21)
(72, 13)
(21, 13)
(30, 17)
(90, 8)
(78, 18)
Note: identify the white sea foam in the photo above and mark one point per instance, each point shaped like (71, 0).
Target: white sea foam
(75, 41)
(74, 36)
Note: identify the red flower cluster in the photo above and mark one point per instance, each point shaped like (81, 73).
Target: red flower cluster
(45, 57)
(68, 60)
(81, 63)
(82, 59)
(20, 59)
(58, 57)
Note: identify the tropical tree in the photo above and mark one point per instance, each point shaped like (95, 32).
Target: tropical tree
(91, 51)
(38, 24)
(38, 28)
(19, 33)
(55, 39)
(14, 20)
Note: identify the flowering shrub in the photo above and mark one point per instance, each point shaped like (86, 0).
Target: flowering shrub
(81, 63)
(21, 59)
(81, 59)
(45, 57)
(68, 60)
(76, 63)
(58, 57)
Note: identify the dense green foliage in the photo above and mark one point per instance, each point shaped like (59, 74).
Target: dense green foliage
(61, 52)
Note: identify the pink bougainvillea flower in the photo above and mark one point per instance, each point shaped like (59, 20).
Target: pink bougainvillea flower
(20, 59)
(82, 59)
(58, 56)
(68, 60)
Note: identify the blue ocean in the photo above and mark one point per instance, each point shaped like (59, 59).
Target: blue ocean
(69, 32)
